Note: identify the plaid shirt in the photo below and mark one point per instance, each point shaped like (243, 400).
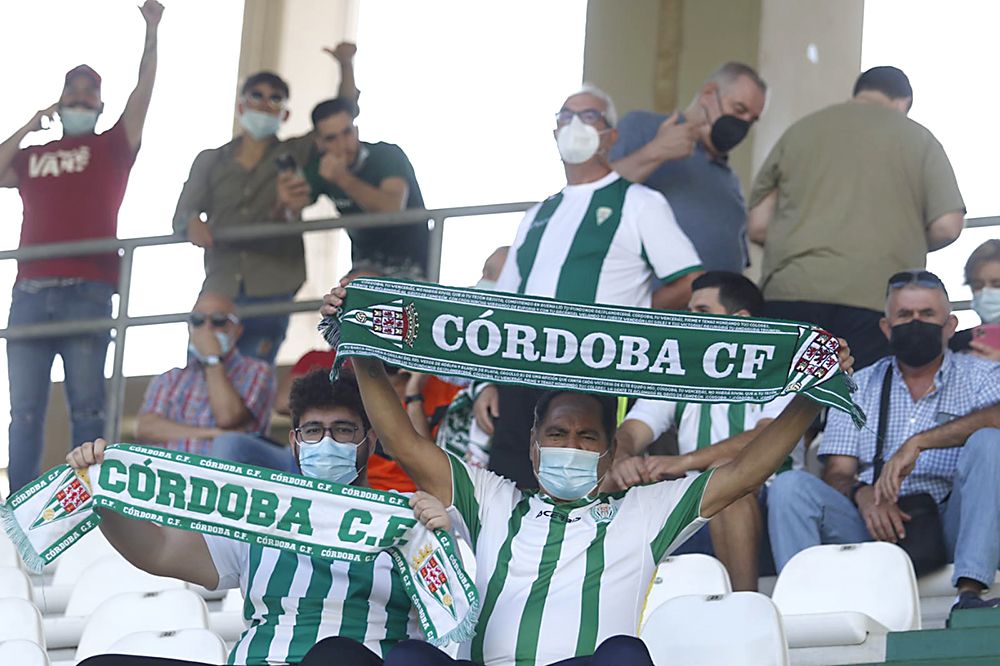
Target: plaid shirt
(181, 395)
(962, 385)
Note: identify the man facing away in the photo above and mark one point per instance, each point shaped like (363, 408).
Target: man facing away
(72, 189)
(601, 239)
(685, 157)
(942, 414)
(848, 196)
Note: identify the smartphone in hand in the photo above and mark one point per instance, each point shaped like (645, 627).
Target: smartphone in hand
(988, 334)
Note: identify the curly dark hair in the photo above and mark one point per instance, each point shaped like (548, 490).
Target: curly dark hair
(316, 391)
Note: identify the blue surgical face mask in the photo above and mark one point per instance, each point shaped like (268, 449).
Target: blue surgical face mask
(224, 342)
(258, 124)
(330, 460)
(567, 474)
(986, 303)
(76, 120)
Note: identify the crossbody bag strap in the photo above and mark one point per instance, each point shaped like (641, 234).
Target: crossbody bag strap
(883, 422)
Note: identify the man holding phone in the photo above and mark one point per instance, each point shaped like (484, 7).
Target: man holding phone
(72, 189)
(362, 177)
(235, 185)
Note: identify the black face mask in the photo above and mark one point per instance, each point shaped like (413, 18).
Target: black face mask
(916, 343)
(728, 131)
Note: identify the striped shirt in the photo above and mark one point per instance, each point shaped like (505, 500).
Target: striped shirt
(962, 385)
(293, 601)
(181, 395)
(700, 425)
(603, 242)
(556, 579)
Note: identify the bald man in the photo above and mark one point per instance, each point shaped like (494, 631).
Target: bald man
(218, 392)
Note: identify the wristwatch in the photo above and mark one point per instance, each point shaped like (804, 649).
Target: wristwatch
(413, 398)
(212, 359)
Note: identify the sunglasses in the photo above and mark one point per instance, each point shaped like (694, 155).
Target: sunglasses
(218, 319)
(921, 278)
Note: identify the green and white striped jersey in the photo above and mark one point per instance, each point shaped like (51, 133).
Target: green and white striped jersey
(294, 601)
(700, 425)
(601, 242)
(556, 579)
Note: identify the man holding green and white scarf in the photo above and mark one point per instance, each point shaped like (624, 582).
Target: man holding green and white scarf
(344, 612)
(563, 571)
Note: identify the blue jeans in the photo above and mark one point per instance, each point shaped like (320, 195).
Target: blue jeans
(803, 511)
(254, 450)
(29, 367)
(262, 336)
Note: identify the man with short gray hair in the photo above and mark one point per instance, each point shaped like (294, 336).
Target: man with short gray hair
(684, 156)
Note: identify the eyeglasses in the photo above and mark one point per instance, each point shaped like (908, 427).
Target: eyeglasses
(341, 431)
(588, 116)
(218, 319)
(274, 102)
(919, 277)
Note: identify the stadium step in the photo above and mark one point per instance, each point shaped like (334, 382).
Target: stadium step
(959, 661)
(972, 619)
(943, 645)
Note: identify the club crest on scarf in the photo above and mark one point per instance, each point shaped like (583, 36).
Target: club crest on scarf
(816, 360)
(70, 494)
(392, 321)
(432, 577)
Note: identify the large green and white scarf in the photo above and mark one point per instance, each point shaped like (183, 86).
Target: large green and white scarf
(541, 342)
(301, 515)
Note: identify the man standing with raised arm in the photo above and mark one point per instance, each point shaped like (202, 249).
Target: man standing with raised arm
(563, 571)
(72, 189)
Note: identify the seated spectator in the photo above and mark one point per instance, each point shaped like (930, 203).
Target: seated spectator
(492, 268)
(708, 435)
(361, 177)
(939, 413)
(685, 157)
(210, 405)
(343, 612)
(982, 274)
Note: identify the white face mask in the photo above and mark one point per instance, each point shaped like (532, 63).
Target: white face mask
(577, 141)
(986, 303)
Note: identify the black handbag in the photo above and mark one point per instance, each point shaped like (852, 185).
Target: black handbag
(924, 541)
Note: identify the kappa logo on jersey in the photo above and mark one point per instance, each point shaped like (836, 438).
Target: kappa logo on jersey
(603, 513)
(58, 162)
(432, 577)
(558, 517)
(603, 213)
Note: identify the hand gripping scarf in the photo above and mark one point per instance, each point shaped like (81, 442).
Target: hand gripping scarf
(260, 506)
(511, 339)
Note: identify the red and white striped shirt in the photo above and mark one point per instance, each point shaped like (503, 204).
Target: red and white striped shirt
(181, 395)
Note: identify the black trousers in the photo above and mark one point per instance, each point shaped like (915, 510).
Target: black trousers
(333, 651)
(859, 326)
(615, 651)
(509, 451)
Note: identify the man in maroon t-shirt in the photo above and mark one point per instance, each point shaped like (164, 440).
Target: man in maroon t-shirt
(71, 190)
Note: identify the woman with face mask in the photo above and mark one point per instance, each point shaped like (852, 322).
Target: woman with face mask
(982, 274)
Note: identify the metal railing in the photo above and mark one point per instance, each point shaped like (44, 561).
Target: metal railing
(126, 247)
(121, 322)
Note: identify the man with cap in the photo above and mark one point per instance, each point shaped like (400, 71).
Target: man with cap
(72, 189)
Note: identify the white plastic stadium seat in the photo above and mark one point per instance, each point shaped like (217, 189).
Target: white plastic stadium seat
(70, 567)
(684, 575)
(742, 628)
(22, 653)
(109, 576)
(20, 620)
(228, 622)
(199, 645)
(169, 610)
(15, 583)
(834, 597)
